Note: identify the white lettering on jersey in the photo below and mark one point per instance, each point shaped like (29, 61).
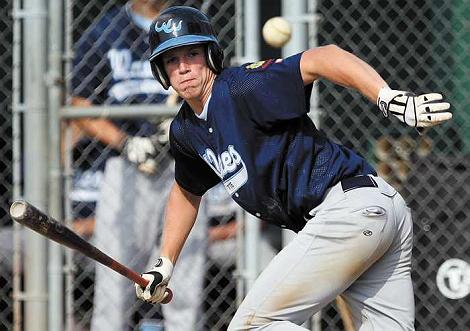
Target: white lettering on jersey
(133, 77)
(122, 66)
(127, 88)
(229, 162)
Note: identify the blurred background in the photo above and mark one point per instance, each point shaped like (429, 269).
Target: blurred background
(75, 84)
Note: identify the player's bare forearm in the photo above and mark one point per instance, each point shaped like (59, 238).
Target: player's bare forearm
(342, 68)
(180, 216)
(99, 128)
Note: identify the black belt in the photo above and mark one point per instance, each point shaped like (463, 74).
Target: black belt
(352, 183)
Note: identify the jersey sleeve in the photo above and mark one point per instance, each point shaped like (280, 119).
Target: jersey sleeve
(191, 172)
(273, 90)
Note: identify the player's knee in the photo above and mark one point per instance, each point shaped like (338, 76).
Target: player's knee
(260, 324)
(237, 324)
(248, 321)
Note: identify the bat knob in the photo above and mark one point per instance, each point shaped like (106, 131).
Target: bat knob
(18, 209)
(168, 296)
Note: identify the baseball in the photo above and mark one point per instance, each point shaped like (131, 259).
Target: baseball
(277, 31)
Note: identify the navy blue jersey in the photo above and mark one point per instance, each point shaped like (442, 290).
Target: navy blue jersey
(111, 67)
(259, 141)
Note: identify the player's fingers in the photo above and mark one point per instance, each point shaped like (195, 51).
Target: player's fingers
(428, 97)
(158, 295)
(431, 122)
(161, 298)
(435, 117)
(434, 107)
(139, 291)
(151, 296)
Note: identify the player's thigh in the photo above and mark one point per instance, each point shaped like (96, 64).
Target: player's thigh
(382, 297)
(325, 258)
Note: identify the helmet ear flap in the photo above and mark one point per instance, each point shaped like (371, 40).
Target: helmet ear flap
(159, 73)
(215, 57)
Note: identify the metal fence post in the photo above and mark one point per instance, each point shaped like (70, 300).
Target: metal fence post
(16, 154)
(35, 159)
(252, 225)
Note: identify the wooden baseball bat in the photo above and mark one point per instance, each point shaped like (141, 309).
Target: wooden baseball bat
(345, 313)
(31, 217)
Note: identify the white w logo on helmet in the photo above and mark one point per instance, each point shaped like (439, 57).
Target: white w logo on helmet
(168, 27)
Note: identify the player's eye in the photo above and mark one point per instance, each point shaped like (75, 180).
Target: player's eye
(170, 60)
(194, 53)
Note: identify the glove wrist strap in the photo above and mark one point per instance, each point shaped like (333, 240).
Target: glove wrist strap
(384, 98)
(164, 262)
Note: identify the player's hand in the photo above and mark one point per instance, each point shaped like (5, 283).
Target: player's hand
(419, 111)
(158, 278)
(142, 152)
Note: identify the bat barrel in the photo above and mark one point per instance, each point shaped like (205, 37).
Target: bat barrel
(31, 217)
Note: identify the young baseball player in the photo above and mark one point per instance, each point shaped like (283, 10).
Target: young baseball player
(248, 127)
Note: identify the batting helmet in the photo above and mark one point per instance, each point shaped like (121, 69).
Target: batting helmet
(180, 26)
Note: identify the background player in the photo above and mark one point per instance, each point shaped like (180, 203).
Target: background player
(248, 127)
(123, 167)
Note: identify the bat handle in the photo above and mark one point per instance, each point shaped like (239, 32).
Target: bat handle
(144, 282)
(138, 279)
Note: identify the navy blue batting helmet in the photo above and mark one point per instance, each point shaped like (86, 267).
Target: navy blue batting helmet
(180, 26)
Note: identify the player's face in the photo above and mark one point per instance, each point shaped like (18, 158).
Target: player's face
(187, 70)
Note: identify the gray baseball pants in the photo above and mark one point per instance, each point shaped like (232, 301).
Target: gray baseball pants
(358, 244)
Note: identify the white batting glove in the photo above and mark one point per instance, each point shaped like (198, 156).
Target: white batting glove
(419, 111)
(141, 151)
(158, 278)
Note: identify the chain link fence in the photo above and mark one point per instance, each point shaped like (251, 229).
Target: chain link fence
(418, 45)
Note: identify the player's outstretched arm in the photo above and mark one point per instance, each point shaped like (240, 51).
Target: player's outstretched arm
(181, 212)
(343, 68)
(340, 67)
